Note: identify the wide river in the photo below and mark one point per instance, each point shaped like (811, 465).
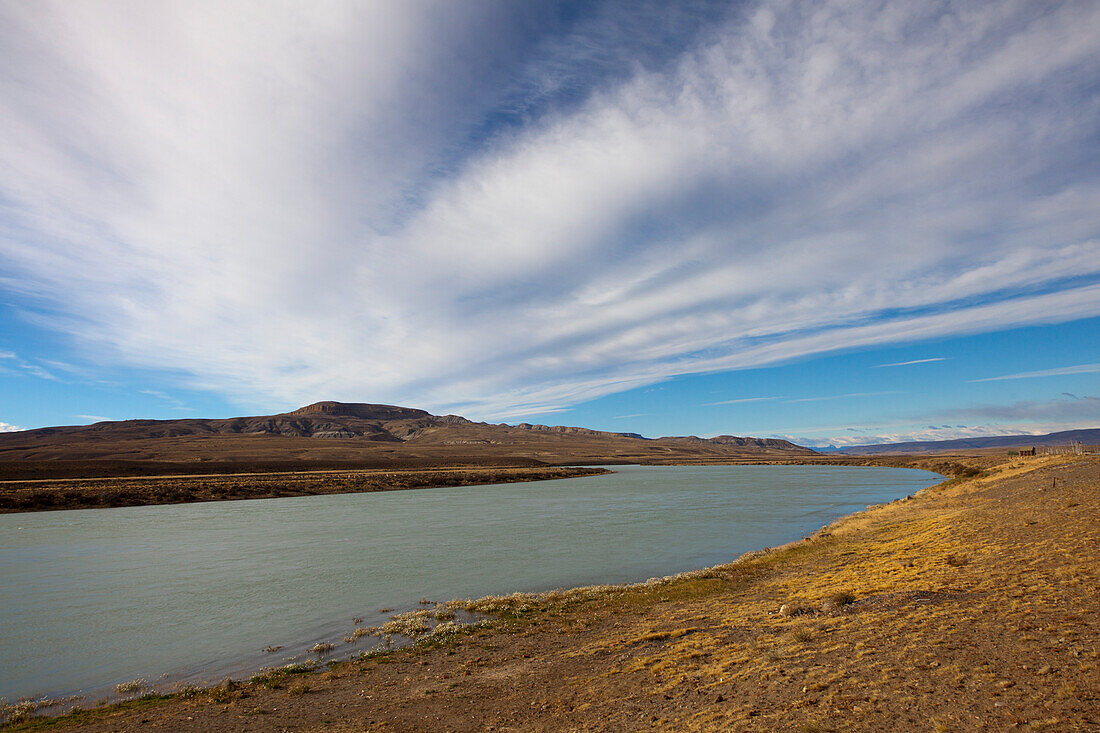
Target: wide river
(90, 598)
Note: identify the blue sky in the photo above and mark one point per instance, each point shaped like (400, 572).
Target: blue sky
(668, 218)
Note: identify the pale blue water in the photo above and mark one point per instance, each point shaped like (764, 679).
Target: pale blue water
(93, 597)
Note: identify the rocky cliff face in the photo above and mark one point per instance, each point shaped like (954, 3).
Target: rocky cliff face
(360, 411)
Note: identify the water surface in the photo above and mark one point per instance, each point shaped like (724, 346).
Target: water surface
(92, 597)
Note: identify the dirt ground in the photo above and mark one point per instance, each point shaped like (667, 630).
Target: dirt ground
(972, 606)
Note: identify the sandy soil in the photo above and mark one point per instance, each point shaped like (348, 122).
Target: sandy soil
(970, 607)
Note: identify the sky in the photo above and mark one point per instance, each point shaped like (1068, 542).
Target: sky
(836, 222)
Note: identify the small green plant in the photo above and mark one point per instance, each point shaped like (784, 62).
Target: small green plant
(221, 695)
(298, 688)
(276, 677)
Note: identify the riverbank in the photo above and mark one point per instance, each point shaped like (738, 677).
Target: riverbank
(90, 493)
(969, 606)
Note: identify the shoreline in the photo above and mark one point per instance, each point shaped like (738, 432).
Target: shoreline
(520, 615)
(34, 495)
(106, 492)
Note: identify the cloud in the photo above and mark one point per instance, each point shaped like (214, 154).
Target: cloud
(450, 207)
(9, 428)
(27, 367)
(907, 363)
(1058, 372)
(1029, 417)
(174, 403)
(844, 396)
(933, 433)
(1086, 408)
(739, 401)
(638, 414)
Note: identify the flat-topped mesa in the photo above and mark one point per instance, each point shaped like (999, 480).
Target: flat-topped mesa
(359, 410)
(741, 442)
(777, 443)
(565, 429)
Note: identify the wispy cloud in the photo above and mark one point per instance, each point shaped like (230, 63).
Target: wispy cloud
(933, 433)
(845, 396)
(740, 400)
(637, 414)
(94, 418)
(1028, 417)
(174, 403)
(1057, 372)
(1086, 408)
(27, 367)
(447, 205)
(907, 363)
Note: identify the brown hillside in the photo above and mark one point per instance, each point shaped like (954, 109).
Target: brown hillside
(341, 435)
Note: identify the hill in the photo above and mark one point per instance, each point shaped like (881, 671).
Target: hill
(1088, 437)
(341, 435)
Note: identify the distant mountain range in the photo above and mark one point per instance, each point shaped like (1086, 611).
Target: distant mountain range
(1089, 436)
(335, 434)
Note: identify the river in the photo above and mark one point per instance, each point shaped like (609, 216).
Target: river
(90, 598)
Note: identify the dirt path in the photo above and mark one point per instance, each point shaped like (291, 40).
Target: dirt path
(970, 607)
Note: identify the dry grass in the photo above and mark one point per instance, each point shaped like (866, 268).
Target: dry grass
(131, 687)
(360, 632)
(298, 688)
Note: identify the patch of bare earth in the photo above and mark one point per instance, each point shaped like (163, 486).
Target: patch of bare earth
(970, 607)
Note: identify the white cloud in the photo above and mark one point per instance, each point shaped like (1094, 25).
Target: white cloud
(286, 205)
(1057, 372)
(943, 433)
(26, 367)
(9, 428)
(1086, 408)
(739, 401)
(1027, 417)
(907, 363)
(845, 396)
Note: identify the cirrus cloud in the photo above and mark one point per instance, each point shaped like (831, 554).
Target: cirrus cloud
(287, 205)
